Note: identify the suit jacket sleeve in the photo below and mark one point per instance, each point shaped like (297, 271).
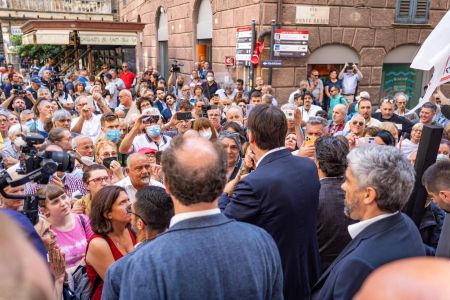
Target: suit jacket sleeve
(346, 288)
(111, 288)
(243, 205)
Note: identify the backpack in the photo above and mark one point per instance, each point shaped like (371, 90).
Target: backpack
(82, 285)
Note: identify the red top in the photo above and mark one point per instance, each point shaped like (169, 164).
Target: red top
(92, 274)
(127, 78)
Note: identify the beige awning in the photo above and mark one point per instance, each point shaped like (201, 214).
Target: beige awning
(108, 38)
(50, 37)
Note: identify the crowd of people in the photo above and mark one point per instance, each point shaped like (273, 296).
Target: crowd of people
(193, 188)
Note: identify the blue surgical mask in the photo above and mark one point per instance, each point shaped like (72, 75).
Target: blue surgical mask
(441, 156)
(31, 125)
(113, 135)
(153, 131)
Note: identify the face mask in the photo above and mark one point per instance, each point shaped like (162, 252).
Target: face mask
(153, 131)
(206, 133)
(210, 78)
(441, 156)
(87, 160)
(31, 125)
(19, 142)
(113, 135)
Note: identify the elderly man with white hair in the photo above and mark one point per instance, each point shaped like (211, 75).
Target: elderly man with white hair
(337, 122)
(401, 99)
(11, 152)
(235, 114)
(150, 122)
(87, 123)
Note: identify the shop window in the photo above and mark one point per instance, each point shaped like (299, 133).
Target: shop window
(412, 11)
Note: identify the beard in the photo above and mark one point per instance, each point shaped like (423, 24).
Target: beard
(350, 207)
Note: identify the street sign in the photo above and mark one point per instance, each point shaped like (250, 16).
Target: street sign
(229, 61)
(291, 43)
(272, 63)
(243, 44)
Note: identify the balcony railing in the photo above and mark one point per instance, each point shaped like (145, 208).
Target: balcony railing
(63, 6)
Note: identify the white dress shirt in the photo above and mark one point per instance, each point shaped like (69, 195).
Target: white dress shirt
(131, 190)
(267, 153)
(357, 228)
(195, 214)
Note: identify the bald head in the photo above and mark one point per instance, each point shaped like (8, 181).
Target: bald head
(194, 170)
(139, 170)
(412, 279)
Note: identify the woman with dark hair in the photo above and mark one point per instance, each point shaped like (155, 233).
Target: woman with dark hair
(205, 129)
(331, 82)
(235, 127)
(79, 90)
(384, 137)
(112, 237)
(291, 142)
(142, 103)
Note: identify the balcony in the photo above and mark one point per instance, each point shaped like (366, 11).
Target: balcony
(59, 6)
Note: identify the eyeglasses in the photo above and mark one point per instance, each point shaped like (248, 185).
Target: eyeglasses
(65, 120)
(358, 123)
(130, 212)
(124, 66)
(99, 180)
(315, 75)
(333, 91)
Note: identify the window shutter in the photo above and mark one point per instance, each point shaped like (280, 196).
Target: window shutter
(422, 9)
(412, 11)
(403, 8)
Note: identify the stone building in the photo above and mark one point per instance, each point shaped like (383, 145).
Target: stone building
(381, 36)
(15, 13)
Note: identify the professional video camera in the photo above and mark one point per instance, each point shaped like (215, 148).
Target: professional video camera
(37, 167)
(176, 66)
(56, 78)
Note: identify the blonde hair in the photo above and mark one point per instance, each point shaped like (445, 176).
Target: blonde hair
(391, 127)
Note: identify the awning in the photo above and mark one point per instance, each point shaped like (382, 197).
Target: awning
(42, 36)
(108, 38)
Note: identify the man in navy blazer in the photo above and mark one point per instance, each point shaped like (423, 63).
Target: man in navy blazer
(203, 254)
(281, 196)
(378, 183)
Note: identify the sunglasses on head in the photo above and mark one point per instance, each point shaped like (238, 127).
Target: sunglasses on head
(359, 123)
(388, 101)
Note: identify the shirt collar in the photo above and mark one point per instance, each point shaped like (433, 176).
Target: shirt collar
(267, 153)
(357, 228)
(195, 214)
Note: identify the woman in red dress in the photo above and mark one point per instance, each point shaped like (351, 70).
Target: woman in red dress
(112, 237)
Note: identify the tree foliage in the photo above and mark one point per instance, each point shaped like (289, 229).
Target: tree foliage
(41, 52)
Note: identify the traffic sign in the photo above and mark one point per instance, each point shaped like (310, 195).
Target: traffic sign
(229, 61)
(290, 43)
(243, 44)
(272, 63)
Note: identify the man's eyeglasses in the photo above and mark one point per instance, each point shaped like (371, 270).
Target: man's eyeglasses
(65, 120)
(99, 180)
(358, 123)
(131, 212)
(315, 75)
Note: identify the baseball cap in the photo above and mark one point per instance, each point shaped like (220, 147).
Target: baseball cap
(364, 95)
(36, 80)
(107, 75)
(147, 150)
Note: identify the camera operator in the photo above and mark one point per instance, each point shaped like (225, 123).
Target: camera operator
(14, 84)
(14, 103)
(176, 89)
(64, 99)
(35, 85)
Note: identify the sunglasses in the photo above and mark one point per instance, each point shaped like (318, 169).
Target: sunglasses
(359, 123)
(388, 101)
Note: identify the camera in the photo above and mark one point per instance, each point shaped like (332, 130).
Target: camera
(176, 66)
(205, 108)
(48, 162)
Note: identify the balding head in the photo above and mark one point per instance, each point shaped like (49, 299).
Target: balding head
(125, 97)
(412, 279)
(139, 170)
(194, 170)
(339, 113)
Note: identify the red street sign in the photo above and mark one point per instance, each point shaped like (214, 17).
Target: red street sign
(229, 61)
(255, 59)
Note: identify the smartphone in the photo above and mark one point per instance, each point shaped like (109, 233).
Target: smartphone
(107, 161)
(350, 64)
(310, 140)
(365, 141)
(249, 109)
(184, 116)
(158, 157)
(289, 113)
(150, 119)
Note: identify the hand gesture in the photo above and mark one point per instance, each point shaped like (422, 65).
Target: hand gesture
(56, 180)
(57, 263)
(307, 151)
(116, 169)
(298, 117)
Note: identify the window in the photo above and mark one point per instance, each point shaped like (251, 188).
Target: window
(412, 11)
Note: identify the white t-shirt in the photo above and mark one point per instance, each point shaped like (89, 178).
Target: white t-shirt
(131, 190)
(91, 127)
(310, 113)
(143, 141)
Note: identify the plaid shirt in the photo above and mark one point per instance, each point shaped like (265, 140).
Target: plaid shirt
(71, 185)
(331, 129)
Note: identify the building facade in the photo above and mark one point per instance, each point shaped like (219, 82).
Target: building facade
(381, 36)
(15, 13)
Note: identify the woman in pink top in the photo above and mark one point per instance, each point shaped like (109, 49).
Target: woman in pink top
(72, 230)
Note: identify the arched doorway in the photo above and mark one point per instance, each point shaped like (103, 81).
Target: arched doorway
(331, 57)
(399, 77)
(204, 27)
(163, 46)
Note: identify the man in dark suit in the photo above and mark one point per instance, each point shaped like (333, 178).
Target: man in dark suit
(332, 234)
(378, 183)
(281, 196)
(203, 254)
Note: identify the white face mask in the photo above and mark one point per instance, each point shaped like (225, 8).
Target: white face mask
(87, 160)
(19, 142)
(210, 78)
(441, 156)
(207, 133)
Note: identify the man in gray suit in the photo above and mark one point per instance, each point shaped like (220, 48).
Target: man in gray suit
(436, 179)
(203, 254)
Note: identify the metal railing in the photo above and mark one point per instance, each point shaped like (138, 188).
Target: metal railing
(63, 6)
